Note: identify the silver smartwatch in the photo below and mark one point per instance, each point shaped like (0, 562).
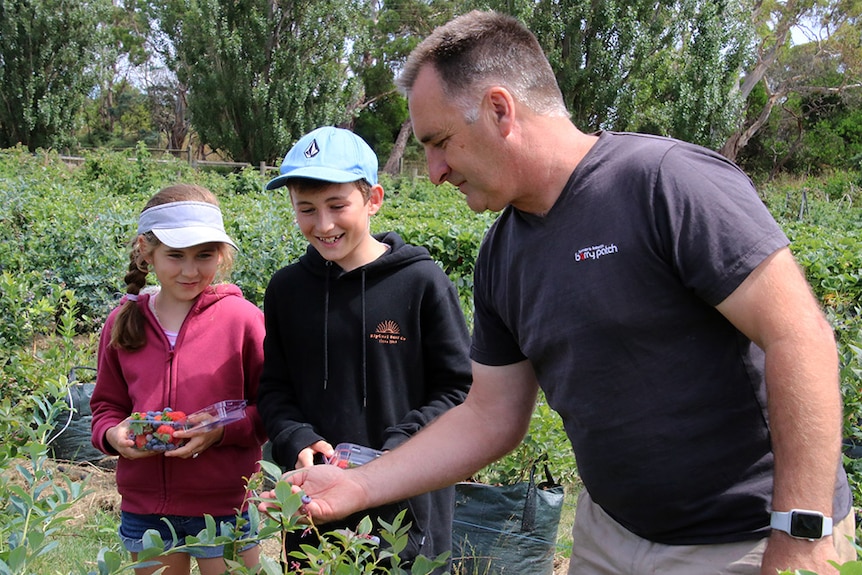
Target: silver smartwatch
(802, 523)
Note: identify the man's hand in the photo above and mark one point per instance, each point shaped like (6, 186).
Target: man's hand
(332, 493)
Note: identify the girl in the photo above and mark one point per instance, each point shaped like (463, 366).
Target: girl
(184, 345)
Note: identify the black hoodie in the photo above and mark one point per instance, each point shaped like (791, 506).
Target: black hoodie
(368, 356)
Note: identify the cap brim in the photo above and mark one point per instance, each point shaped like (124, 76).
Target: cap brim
(316, 173)
(191, 236)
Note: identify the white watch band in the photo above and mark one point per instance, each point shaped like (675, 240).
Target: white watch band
(795, 522)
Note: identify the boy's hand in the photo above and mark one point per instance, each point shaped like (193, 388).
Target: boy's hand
(306, 456)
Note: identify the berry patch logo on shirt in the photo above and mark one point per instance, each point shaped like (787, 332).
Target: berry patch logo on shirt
(388, 332)
(595, 252)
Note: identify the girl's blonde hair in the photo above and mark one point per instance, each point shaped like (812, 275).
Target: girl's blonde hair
(128, 330)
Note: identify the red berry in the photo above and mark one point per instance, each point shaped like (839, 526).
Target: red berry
(176, 416)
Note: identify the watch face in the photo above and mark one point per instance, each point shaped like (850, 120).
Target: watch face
(807, 525)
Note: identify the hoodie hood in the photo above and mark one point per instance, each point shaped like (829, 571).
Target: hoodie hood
(399, 254)
(212, 294)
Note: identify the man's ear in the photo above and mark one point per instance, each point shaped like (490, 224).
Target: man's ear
(502, 106)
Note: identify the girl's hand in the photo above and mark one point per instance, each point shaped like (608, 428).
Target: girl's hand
(199, 441)
(306, 456)
(118, 437)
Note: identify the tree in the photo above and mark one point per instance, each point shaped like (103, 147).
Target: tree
(261, 73)
(665, 67)
(121, 120)
(815, 126)
(168, 106)
(47, 56)
(123, 51)
(392, 32)
(781, 70)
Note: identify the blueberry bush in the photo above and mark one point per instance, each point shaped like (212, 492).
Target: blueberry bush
(63, 235)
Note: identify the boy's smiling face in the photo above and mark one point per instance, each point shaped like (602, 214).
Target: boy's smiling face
(336, 221)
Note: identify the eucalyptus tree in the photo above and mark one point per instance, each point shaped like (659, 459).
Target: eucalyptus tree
(260, 73)
(665, 66)
(393, 30)
(816, 126)
(117, 96)
(48, 54)
(783, 72)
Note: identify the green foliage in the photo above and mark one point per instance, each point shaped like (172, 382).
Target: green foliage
(47, 55)
(668, 68)
(818, 126)
(263, 226)
(261, 74)
(69, 228)
(438, 219)
(823, 220)
(31, 508)
(338, 552)
(120, 118)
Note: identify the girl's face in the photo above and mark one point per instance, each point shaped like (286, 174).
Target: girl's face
(336, 221)
(184, 273)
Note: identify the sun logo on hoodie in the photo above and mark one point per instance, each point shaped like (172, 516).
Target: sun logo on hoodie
(388, 326)
(388, 332)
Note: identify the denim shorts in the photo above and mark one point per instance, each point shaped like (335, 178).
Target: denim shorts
(133, 526)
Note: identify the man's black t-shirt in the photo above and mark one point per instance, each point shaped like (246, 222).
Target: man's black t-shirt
(611, 296)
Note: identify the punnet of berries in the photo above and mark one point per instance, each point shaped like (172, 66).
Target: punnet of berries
(154, 430)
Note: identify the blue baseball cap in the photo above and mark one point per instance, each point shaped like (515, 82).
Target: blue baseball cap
(328, 154)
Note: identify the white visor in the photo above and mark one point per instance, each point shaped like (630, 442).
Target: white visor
(185, 224)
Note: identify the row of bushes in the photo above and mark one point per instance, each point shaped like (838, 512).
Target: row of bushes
(66, 228)
(64, 232)
(70, 225)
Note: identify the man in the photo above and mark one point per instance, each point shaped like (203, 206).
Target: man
(642, 284)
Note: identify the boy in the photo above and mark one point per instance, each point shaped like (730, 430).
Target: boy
(365, 342)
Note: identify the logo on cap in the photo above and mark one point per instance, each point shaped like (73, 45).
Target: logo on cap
(312, 149)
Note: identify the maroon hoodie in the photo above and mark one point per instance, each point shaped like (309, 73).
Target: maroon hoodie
(218, 356)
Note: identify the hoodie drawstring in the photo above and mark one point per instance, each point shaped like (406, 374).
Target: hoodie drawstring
(326, 337)
(326, 328)
(364, 348)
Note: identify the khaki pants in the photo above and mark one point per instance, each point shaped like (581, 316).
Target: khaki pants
(601, 546)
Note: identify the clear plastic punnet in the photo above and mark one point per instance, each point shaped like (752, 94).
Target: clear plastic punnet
(349, 455)
(218, 414)
(154, 430)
